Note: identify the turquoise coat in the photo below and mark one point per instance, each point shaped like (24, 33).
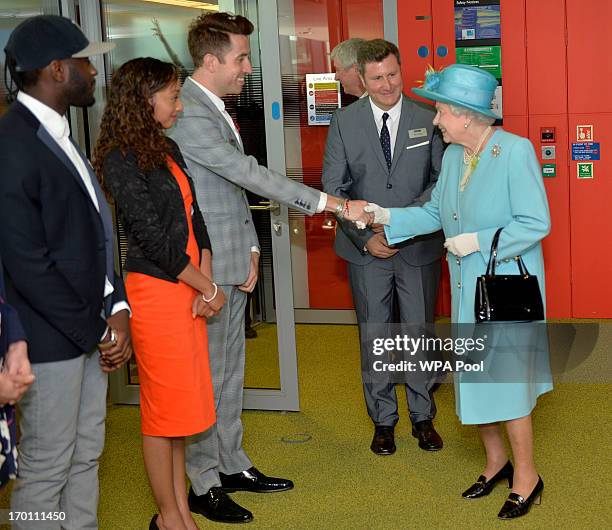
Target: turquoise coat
(505, 190)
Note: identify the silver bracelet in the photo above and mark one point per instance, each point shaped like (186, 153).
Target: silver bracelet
(207, 300)
(340, 208)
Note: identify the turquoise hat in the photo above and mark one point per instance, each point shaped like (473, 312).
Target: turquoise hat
(462, 85)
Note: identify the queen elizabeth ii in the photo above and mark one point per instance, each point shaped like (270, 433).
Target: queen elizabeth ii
(490, 179)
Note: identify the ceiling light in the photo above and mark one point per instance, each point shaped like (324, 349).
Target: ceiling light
(187, 3)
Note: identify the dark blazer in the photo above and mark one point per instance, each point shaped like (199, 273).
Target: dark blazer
(152, 211)
(11, 329)
(354, 167)
(52, 242)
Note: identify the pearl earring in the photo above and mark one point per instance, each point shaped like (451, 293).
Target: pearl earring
(466, 124)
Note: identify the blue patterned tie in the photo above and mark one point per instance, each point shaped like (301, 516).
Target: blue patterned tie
(385, 140)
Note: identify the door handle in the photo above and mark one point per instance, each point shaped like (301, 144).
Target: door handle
(272, 206)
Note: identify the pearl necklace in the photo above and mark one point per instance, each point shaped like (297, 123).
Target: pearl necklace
(471, 161)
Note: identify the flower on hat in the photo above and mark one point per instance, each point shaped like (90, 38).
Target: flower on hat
(432, 79)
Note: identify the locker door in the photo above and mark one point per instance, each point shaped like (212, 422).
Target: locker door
(443, 33)
(589, 41)
(414, 21)
(547, 104)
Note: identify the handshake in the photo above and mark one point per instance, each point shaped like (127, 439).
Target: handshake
(363, 213)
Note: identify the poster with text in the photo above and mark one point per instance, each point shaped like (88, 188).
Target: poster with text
(477, 19)
(322, 97)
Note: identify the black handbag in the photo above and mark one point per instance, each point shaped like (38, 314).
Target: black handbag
(512, 297)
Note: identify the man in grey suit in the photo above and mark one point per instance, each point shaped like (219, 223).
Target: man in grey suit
(211, 145)
(344, 59)
(385, 148)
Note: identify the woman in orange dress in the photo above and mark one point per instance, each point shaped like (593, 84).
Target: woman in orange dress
(169, 282)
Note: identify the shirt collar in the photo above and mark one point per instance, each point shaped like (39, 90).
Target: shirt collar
(219, 103)
(55, 123)
(394, 112)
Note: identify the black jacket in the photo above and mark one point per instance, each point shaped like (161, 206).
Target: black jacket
(151, 208)
(11, 329)
(52, 243)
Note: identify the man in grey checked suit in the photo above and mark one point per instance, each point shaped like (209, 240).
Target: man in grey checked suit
(211, 145)
(385, 148)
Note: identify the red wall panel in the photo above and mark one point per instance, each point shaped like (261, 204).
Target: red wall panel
(546, 64)
(557, 245)
(414, 24)
(443, 33)
(514, 60)
(591, 224)
(589, 43)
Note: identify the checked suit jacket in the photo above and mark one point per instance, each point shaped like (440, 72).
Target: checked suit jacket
(221, 173)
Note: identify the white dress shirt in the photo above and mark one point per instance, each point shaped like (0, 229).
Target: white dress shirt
(59, 129)
(395, 113)
(220, 104)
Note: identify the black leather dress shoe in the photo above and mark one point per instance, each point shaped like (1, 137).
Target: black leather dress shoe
(216, 505)
(516, 506)
(253, 480)
(383, 442)
(483, 487)
(429, 439)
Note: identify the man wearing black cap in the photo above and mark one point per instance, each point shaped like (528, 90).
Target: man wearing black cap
(56, 241)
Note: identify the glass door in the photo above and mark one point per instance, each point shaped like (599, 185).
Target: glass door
(306, 38)
(159, 29)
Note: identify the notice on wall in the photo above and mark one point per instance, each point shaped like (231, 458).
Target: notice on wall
(584, 133)
(322, 97)
(486, 57)
(585, 151)
(477, 19)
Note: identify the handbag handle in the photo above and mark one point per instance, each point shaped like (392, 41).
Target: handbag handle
(493, 258)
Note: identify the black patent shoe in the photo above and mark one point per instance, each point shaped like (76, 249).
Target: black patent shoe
(429, 439)
(483, 487)
(153, 523)
(216, 505)
(255, 481)
(516, 506)
(383, 441)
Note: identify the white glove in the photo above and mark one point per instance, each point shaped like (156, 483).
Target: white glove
(381, 215)
(463, 244)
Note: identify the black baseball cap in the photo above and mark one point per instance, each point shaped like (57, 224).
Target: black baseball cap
(39, 40)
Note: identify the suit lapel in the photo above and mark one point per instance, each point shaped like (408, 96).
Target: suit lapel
(48, 140)
(197, 93)
(372, 132)
(402, 132)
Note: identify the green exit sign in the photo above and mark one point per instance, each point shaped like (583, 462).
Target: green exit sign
(549, 170)
(585, 170)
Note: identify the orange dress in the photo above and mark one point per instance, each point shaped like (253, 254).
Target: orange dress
(171, 347)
